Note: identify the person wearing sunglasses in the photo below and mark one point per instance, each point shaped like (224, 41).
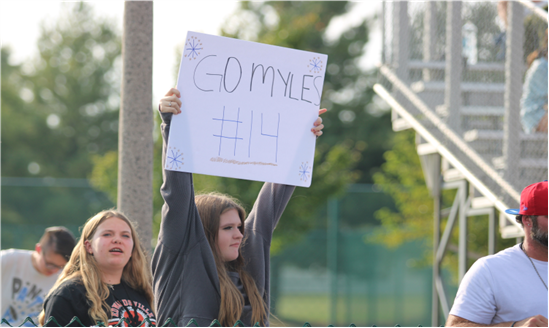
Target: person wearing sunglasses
(27, 276)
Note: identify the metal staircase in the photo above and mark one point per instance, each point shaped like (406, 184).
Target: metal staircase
(466, 114)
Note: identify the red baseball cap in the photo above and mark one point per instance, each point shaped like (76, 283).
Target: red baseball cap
(533, 200)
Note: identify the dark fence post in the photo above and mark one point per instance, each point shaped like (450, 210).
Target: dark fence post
(333, 234)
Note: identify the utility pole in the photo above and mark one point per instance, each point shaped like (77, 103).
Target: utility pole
(135, 139)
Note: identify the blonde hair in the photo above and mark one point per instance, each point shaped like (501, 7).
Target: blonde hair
(210, 207)
(82, 267)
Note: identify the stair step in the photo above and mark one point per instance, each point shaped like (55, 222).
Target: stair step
(473, 111)
(473, 135)
(481, 202)
(401, 124)
(483, 111)
(452, 175)
(511, 231)
(487, 66)
(426, 149)
(527, 163)
(422, 86)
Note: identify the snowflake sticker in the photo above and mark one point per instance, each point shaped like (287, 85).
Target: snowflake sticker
(304, 172)
(315, 65)
(193, 46)
(174, 159)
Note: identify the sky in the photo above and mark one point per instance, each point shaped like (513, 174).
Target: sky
(20, 21)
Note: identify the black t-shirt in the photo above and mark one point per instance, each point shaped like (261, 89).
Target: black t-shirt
(69, 300)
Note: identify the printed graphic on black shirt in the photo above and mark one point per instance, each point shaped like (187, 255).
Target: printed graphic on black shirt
(27, 301)
(119, 311)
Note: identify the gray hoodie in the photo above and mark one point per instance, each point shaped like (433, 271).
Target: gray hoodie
(186, 285)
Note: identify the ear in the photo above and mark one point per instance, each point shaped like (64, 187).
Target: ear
(38, 248)
(88, 247)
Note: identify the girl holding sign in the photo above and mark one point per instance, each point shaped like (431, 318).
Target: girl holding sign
(211, 262)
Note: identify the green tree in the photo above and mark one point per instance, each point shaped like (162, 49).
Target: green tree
(76, 81)
(59, 109)
(17, 139)
(402, 177)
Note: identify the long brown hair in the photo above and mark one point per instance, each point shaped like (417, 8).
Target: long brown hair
(82, 267)
(210, 207)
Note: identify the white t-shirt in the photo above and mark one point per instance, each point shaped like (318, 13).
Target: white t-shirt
(23, 288)
(501, 288)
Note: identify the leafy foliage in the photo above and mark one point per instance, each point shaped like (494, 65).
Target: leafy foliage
(70, 103)
(401, 177)
(71, 89)
(59, 110)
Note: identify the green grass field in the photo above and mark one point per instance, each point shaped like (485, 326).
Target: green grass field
(295, 310)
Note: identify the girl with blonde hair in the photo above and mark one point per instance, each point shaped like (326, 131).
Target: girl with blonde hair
(106, 279)
(211, 262)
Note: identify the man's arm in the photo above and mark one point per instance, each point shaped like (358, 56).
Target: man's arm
(535, 321)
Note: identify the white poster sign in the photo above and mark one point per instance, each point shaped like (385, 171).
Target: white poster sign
(247, 110)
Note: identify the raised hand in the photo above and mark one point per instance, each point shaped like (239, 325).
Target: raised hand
(171, 102)
(317, 130)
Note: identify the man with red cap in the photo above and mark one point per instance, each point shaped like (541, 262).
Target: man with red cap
(509, 289)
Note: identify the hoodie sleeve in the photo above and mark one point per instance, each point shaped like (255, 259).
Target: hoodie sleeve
(259, 227)
(185, 281)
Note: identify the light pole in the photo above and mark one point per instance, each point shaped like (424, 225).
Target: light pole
(135, 140)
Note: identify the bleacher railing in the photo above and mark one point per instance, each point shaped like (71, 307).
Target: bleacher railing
(457, 69)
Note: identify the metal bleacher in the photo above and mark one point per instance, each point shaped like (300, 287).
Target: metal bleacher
(464, 104)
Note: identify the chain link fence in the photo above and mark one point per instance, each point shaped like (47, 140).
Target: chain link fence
(335, 275)
(338, 273)
(473, 75)
(30, 205)
(28, 322)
